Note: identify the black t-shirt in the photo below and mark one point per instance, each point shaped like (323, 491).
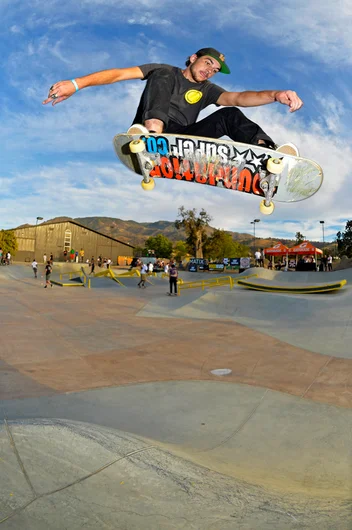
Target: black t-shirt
(188, 98)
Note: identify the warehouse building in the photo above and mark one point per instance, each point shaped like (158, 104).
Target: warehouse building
(60, 237)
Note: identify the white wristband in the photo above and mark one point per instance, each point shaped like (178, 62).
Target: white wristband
(75, 84)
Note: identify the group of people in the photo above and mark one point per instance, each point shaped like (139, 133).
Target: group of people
(101, 262)
(5, 257)
(48, 271)
(169, 268)
(74, 255)
(324, 265)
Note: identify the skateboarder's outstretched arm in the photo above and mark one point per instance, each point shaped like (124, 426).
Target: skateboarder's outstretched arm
(264, 97)
(64, 89)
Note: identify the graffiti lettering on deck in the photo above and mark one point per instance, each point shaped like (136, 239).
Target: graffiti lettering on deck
(204, 162)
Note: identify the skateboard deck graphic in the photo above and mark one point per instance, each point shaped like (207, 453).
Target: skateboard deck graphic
(271, 175)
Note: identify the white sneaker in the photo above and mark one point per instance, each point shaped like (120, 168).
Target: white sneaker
(137, 128)
(288, 149)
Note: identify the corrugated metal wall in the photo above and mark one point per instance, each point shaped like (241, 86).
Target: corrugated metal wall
(53, 238)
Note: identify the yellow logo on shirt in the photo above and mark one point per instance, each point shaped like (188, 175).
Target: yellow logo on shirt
(193, 96)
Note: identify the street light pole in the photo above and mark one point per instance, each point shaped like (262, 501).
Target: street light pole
(35, 236)
(254, 223)
(322, 225)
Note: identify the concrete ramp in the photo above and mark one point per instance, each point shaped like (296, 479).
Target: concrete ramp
(267, 286)
(321, 323)
(236, 451)
(303, 278)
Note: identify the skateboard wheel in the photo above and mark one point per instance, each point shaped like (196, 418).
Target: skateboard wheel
(137, 146)
(275, 166)
(148, 186)
(266, 210)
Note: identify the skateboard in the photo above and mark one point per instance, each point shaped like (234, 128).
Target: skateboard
(257, 170)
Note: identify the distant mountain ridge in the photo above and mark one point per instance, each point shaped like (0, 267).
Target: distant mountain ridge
(136, 234)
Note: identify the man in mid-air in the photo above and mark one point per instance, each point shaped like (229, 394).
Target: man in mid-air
(173, 98)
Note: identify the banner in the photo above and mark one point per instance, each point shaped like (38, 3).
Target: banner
(216, 267)
(245, 263)
(235, 262)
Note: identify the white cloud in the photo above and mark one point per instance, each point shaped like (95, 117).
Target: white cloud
(16, 29)
(315, 28)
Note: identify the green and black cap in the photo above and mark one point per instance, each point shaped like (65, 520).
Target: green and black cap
(220, 57)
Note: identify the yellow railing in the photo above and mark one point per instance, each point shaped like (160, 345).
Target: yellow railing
(71, 274)
(133, 272)
(109, 273)
(212, 282)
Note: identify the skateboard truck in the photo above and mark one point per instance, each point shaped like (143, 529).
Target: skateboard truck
(146, 164)
(269, 179)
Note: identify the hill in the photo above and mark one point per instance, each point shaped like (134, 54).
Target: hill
(137, 233)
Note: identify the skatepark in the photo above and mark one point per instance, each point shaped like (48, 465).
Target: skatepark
(223, 407)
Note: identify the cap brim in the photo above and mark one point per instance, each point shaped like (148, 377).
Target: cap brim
(224, 68)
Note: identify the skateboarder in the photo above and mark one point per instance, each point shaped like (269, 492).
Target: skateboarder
(173, 275)
(173, 98)
(48, 271)
(35, 268)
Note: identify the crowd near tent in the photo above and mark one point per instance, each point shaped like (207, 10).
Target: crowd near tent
(303, 249)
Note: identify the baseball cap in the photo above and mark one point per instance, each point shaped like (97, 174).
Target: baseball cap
(215, 55)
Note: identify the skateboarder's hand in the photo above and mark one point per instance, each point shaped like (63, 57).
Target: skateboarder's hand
(59, 92)
(290, 98)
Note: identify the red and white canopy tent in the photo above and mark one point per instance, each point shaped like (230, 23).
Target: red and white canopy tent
(304, 249)
(277, 250)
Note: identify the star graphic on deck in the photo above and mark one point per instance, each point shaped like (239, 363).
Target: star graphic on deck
(257, 161)
(239, 158)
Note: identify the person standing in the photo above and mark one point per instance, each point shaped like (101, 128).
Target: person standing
(48, 271)
(35, 267)
(258, 257)
(261, 261)
(144, 271)
(173, 276)
(92, 265)
(329, 261)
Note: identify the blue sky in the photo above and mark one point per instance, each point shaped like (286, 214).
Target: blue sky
(60, 161)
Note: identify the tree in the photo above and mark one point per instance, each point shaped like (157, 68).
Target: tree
(221, 245)
(161, 245)
(195, 228)
(180, 250)
(344, 241)
(8, 241)
(299, 238)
